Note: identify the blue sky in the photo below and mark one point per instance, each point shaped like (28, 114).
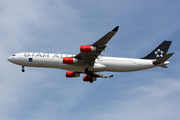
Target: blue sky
(61, 26)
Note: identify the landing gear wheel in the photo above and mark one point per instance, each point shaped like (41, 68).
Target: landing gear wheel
(23, 70)
(91, 80)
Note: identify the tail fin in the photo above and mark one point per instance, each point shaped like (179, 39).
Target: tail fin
(160, 51)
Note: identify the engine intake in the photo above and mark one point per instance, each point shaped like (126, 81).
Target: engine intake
(87, 48)
(69, 60)
(71, 74)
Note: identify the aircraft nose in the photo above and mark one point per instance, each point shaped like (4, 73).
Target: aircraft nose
(9, 59)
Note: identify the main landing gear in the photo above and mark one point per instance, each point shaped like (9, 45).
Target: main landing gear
(89, 74)
(23, 70)
(89, 78)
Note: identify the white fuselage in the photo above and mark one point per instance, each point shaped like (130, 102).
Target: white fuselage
(112, 64)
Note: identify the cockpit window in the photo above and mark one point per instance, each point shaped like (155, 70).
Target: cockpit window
(13, 55)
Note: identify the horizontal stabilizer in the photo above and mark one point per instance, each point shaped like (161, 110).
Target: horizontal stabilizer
(163, 66)
(163, 59)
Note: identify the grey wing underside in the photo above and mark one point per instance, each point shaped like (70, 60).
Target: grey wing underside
(100, 45)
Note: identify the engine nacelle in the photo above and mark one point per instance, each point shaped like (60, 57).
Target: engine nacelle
(69, 60)
(72, 74)
(88, 80)
(87, 48)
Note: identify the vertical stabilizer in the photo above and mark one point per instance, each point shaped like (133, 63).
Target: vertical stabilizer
(160, 51)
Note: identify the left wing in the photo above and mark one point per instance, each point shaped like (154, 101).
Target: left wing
(89, 56)
(100, 75)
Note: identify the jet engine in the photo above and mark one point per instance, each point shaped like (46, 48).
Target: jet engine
(69, 60)
(87, 48)
(72, 74)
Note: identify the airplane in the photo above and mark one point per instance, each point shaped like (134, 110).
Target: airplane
(89, 61)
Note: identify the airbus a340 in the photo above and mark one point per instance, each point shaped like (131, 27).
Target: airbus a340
(90, 63)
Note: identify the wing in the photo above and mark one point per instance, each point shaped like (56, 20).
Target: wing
(102, 76)
(100, 45)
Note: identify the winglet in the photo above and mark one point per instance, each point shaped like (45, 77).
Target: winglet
(116, 29)
(104, 76)
(111, 76)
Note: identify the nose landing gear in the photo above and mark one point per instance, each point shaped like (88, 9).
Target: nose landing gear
(23, 70)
